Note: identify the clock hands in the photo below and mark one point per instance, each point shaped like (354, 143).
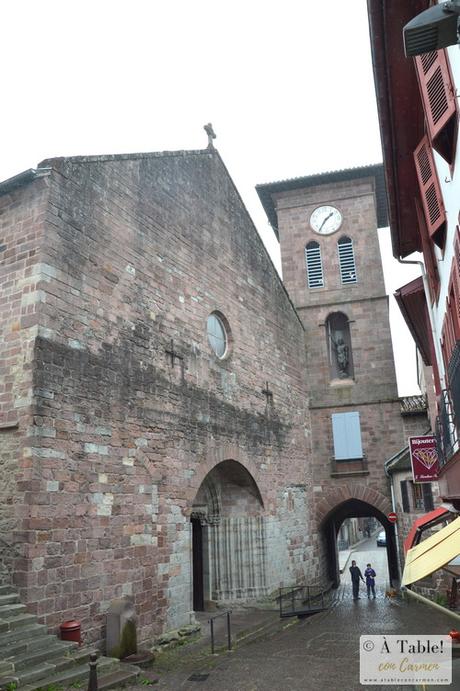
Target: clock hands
(324, 221)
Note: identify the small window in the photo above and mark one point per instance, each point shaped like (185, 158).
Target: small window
(217, 335)
(405, 496)
(417, 496)
(346, 430)
(427, 496)
(314, 263)
(347, 261)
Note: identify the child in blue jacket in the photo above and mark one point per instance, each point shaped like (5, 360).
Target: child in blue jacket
(370, 580)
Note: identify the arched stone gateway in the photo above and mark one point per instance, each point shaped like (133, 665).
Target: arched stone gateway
(228, 537)
(348, 502)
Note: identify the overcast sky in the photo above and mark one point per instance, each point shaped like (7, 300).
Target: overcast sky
(288, 87)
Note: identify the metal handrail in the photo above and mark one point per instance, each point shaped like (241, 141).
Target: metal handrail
(312, 599)
(227, 613)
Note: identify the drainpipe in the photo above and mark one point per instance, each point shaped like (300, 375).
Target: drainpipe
(431, 317)
(393, 507)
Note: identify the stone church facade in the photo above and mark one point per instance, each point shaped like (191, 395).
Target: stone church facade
(130, 440)
(171, 413)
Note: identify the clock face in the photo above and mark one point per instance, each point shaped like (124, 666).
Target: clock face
(326, 220)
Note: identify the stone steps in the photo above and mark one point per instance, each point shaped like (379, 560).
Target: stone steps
(52, 674)
(30, 658)
(11, 609)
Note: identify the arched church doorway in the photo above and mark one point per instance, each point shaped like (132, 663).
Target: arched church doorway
(331, 525)
(228, 538)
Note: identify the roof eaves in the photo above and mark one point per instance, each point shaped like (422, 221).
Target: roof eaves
(23, 179)
(398, 458)
(105, 158)
(266, 190)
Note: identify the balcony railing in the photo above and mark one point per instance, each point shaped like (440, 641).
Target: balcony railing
(453, 372)
(352, 466)
(446, 430)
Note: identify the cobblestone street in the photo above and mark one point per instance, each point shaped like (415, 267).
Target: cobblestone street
(317, 653)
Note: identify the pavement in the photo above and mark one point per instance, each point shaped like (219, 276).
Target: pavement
(368, 544)
(318, 653)
(314, 654)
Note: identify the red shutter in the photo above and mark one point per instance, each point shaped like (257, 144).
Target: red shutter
(438, 94)
(444, 348)
(457, 250)
(454, 301)
(430, 192)
(450, 328)
(456, 274)
(429, 256)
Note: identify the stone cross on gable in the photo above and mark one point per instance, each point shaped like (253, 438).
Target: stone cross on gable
(211, 134)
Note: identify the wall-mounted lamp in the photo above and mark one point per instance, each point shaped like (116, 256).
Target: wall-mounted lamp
(434, 28)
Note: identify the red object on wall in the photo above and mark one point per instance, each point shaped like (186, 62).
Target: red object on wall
(392, 517)
(427, 521)
(424, 458)
(71, 631)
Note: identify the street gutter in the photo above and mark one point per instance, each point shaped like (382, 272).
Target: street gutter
(430, 603)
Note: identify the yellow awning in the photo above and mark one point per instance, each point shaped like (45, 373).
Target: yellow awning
(433, 553)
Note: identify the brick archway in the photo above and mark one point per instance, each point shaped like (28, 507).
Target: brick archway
(346, 502)
(334, 497)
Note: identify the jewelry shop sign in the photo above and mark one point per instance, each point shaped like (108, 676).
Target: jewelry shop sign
(405, 660)
(424, 458)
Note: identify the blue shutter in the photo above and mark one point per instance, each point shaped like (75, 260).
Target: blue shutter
(346, 429)
(339, 432)
(355, 447)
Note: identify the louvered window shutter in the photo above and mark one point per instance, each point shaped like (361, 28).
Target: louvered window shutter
(430, 192)
(456, 274)
(405, 496)
(450, 327)
(454, 302)
(347, 261)
(428, 254)
(444, 347)
(314, 264)
(427, 496)
(346, 429)
(438, 94)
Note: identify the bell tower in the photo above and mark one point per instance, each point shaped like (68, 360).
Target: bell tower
(327, 228)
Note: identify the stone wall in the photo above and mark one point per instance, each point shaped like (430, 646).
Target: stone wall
(21, 233)
(138, 252)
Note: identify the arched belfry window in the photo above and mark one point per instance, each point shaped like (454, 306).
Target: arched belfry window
(315, 277)
(347, 261)
(339, 346)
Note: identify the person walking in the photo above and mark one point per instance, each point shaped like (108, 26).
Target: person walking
(355, 576)
(370, 580)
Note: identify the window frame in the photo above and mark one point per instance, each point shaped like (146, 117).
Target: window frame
(219, 317)
(314, 245)
(345, 426)
(341, 242)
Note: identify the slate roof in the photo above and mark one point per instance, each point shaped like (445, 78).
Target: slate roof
(266, 190)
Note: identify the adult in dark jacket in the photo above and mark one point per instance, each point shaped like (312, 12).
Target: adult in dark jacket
(355, 576)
